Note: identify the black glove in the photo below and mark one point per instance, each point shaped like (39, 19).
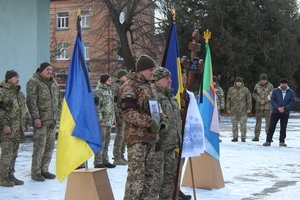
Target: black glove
(155, 127)
(96, 100)
(164, 125)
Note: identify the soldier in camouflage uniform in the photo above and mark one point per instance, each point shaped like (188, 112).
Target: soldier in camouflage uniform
(141, 131)
(119, 145)
(220, 95)
(105, 110)
(262, 96)
(43, 104)
(13, 112)
(238, 104)
(165, 160)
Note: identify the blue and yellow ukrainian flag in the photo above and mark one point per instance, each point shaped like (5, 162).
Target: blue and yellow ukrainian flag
(171, 61)
(79, 135)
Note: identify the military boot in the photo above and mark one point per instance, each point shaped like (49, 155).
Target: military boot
(123, 158)
(119, 161)
(37, 177)
(267, 144)
(15, 180)
(48, 175)
(6, 182)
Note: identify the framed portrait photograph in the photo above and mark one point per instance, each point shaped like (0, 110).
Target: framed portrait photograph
(154, 108)
(194, 64)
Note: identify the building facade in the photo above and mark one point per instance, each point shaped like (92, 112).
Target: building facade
(100, 38)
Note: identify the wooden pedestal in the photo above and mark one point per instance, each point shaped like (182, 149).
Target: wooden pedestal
(90, 184)
(207, 173)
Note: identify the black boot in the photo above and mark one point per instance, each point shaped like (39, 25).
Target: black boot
(184, 196)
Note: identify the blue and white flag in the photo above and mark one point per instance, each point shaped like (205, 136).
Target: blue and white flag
(193, 143)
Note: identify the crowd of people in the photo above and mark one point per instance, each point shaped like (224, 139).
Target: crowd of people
(271, 104)
(123, 101)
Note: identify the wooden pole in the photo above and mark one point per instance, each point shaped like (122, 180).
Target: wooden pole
(194, 46)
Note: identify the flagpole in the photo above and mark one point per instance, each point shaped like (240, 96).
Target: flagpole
(193, 180)
(179, 163)
(194, 47)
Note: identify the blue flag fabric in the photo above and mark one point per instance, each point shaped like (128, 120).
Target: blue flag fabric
(208, 109)
(171, 61)
(80, 99)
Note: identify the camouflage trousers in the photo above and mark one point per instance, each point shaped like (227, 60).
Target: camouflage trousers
(137, 180)
(242, 119)
(9, 153)
(119, 144)
(43, 145)
(259, 115)
(163, 169)
(102, 156)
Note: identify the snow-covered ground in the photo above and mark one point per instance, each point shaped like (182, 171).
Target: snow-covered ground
(250, 170)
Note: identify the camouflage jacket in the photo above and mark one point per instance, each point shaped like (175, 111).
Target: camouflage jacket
(43, 98)
(117, 103)
(13, 111)
(262, 92)
(136, 92)
(220, 97)
(104, 104)
(238, 100)
(173, 137)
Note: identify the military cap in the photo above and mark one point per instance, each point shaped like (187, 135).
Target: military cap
(43, 66)
(161, 72)
(238, 79)
(9, 74)
(263, 77)
(144, 62)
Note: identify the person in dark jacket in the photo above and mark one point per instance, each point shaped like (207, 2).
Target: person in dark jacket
(282, 101)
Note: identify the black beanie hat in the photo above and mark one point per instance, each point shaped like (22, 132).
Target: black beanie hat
(144, 62)
(263, 77)
(121, 73)
(43, 66)
(104, 77)
(283, 80)
(9, 74)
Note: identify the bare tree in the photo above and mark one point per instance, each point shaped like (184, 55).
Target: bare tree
(128, 29)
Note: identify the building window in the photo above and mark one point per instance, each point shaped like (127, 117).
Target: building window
(62, 53)
(85, 17)
(86, 51)
(62, 20)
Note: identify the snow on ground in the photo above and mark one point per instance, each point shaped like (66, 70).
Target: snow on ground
(250, 170)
